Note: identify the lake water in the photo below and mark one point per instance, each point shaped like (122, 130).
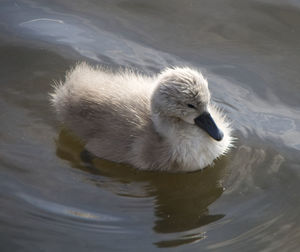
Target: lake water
(51, 200)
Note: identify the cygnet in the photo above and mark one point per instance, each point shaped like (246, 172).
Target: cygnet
(164, 122)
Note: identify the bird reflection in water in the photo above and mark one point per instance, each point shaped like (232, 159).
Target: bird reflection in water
(181, 199)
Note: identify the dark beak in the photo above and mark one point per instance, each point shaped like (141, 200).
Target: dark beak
(207, 123)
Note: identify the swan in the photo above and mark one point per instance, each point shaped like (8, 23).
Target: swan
(164, 122)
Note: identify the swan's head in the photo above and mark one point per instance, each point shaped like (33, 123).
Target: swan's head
(182, 94)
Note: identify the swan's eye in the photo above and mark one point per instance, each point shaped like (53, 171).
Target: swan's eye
(191, 106)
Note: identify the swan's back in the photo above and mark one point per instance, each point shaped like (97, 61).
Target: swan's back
(104, 108)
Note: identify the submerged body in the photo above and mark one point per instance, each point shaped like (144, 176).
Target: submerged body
(147, 122)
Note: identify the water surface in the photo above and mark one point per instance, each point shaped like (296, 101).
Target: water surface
(51, 200)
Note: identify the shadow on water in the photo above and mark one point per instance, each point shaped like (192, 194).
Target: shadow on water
(181, 201)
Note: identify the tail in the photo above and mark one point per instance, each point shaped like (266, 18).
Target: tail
(59, 99)
(66, 93)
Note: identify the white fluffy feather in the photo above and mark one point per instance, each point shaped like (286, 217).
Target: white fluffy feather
(140, 120)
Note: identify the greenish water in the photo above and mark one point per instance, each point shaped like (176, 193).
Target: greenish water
(51, 200)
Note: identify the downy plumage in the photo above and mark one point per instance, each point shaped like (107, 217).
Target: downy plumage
(165, 122)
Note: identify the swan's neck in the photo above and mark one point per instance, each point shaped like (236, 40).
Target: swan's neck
(191, 147)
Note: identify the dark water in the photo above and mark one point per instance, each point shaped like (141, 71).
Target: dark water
(50, 200)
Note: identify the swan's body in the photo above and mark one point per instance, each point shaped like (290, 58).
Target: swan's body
(142, 121)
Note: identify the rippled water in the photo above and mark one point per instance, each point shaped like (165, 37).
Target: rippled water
(51, 200)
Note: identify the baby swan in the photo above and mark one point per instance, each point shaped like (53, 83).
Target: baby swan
(165, 122)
